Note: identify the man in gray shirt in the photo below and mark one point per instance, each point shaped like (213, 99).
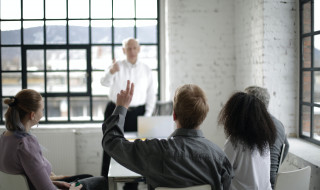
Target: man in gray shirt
(275, 150)
(185, 159)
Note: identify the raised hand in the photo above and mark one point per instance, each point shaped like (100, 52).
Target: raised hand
(115, 67)
(124, 97)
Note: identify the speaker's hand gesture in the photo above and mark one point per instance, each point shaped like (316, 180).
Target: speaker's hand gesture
(124, 97)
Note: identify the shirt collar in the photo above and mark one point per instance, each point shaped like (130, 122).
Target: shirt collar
(128, 64)
(187, 132)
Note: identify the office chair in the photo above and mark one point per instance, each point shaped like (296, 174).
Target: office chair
(10, 181)
(196, 187)
(294, 180)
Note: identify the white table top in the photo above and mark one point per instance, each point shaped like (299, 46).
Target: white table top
(117, 170)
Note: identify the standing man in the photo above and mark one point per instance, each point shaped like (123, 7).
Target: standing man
(143, 102)
(275, 150)
(185, 159)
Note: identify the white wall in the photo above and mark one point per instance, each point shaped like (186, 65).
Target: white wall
(225, 46)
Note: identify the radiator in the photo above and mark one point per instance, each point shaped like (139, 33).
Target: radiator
(59, 147)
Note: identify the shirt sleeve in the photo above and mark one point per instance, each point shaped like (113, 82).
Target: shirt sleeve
(230, 152)
(107, 79)
(33, 163)
(151, 96)
(132, 155)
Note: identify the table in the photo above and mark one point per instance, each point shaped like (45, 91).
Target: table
(118, 173)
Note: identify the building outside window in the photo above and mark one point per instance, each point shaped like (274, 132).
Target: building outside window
(310, 70)
(62, 47)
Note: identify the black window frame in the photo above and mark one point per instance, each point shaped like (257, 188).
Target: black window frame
(69, 46)
(310, 69)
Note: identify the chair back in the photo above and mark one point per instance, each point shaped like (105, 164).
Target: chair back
(10, 181)
(281, 156)
(196, 187)
(291, 180)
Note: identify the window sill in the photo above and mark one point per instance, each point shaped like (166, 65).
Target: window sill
(305, 150)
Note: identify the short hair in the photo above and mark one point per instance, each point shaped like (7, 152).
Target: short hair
(125, 41)
(24, 102)
(259, 92)
(190, 106)
(246, 121)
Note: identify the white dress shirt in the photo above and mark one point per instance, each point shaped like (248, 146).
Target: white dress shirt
(138, 73)
(251, 169)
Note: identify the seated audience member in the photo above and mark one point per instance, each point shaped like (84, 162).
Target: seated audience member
(21, 152)
(250, 131)
(185, 159)
(276, 148)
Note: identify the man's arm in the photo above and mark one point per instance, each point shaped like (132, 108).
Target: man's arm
(107, 79)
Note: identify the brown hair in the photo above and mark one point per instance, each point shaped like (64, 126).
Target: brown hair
(246, 121)
(25, 101)
(190, 106)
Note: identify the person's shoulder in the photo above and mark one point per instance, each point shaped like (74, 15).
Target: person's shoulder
(28, 142)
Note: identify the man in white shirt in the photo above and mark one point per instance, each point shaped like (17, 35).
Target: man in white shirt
(116, 76)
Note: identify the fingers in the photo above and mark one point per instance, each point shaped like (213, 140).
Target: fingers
(132, 89)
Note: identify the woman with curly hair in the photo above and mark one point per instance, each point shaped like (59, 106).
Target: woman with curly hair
(250, 131)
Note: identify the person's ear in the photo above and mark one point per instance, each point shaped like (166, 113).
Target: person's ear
(138, 48)
(174, 116)
(32, 115)
(124, 51)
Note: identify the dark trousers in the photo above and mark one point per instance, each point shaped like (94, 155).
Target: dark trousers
(130, 125)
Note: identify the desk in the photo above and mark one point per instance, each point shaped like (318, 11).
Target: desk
(118, 173)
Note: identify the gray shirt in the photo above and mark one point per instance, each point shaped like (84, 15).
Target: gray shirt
(275, 150)
(185, 159)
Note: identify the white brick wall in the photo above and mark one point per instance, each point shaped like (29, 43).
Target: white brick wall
(224, 46)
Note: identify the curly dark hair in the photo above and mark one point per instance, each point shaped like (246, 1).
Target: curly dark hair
(247, 121)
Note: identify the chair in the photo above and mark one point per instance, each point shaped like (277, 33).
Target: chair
(197, 187)
(294, 180)
(10, 181)
(281, 156)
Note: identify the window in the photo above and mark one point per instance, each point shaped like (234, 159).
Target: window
(61, 47)
(310, 70)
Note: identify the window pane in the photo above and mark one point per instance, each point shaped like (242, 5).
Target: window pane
(35, 80)
(10, 32)
(56, 32)
(78, 59)
(79, 32)
(101, 31)
(306, 86)
(118, 53)
(79, 108)
(56, 9)
(98, 106)
(316, 53)
(78, 82)
(316, 123)
(306, 120)
(33, 32)
(306, 52)
(11, 83)
(78, 8)
(316, 94)
(148, 55)
(10, 58)
(10, 9)
(101, 9)
(146, 8)
(32, 9)
(306, 28)
(97, 88)
(316, 15)
(57, 82)
(123, 9)
(56, 59)
(123, 29)
(101, 56)
(35, 60)
(147, 31)
(57, 109)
